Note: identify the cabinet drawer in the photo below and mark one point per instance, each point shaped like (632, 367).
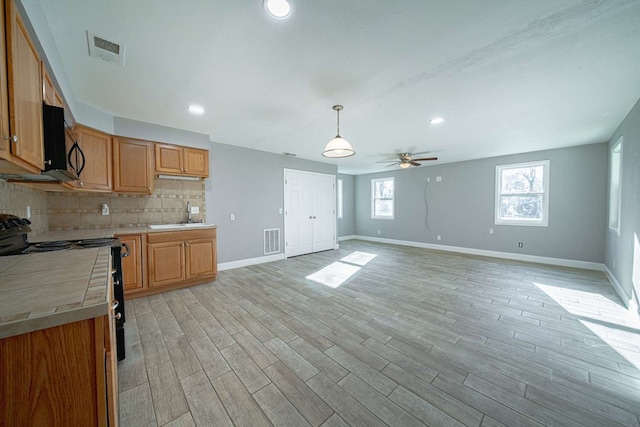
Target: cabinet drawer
(180, 236)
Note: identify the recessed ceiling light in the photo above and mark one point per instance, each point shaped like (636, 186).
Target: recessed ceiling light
(195, 109)
(279, 9)
(436, 120)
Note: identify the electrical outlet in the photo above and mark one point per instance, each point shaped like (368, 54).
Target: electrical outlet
(520, 245)
(280, 210)
(438, 179)
(105, 209)
(491, 231)
(195, 209)
(232, 217)
(438, 237)
(378, 231)
(28, 212)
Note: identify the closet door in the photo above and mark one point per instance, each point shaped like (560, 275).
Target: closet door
(310, 219)
(323, 197)
(298, 213)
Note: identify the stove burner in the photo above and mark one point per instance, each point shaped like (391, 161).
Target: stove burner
(50, 246)
(95, 243)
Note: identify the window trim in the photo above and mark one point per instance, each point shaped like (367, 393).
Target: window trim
(373, 199)
(544, 218)
(339, 196)
(617, 146)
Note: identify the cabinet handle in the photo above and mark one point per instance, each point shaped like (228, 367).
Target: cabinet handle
(118, 316)
(13, 138)
(47, 162)
(115, 304)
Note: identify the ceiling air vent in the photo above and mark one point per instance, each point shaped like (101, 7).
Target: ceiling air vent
(106, 50)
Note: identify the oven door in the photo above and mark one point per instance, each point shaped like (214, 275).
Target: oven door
(118, 294)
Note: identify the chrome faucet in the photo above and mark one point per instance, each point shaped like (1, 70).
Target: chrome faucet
(189, 219)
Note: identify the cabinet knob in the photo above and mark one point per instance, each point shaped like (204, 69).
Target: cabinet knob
(118, 316)
(115, 303)
(47, 162)
(81, 183)
(13, 138)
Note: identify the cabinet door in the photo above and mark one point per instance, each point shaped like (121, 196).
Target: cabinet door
(25, 93)
(132, 265)
(169, 159)
(166, 263)
(5, 151)
(96, 147)
(196, 162)
(132, 166)
(201, 257)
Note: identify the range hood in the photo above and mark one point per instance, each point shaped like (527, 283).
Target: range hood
(57, 169)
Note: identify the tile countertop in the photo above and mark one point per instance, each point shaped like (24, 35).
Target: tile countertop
(42, 290)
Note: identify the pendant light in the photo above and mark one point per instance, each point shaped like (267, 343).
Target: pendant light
(338, 147)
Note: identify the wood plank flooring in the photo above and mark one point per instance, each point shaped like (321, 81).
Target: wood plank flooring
(414, 337)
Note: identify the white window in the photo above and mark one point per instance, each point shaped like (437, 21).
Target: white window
(615, 177)
(339, 198)
(382, 192)
(522, 194)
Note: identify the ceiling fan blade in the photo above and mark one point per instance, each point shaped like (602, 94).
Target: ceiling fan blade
(420, 152)
(424, 159)
(392, 164)
(414, 163)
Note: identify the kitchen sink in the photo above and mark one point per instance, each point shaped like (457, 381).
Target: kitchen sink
(181, 225)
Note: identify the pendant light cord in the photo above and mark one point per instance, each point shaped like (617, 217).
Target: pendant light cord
(338, 135)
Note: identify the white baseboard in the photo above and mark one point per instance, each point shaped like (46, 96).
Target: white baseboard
(624, 296)
(250, 261)
(341, 238)
(483, 252)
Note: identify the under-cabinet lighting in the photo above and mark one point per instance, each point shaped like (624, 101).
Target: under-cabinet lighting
(179, 178)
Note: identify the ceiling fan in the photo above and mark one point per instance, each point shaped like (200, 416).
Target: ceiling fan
(406, 160)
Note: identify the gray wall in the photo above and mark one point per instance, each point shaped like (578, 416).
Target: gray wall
(249, 184)
(347, 224)
(151, 132)
(461, 207)
(621, 250)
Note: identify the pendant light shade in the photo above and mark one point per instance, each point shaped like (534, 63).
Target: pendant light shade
(338, 147)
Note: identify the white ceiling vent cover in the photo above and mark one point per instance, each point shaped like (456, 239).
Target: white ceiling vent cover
(106, 50)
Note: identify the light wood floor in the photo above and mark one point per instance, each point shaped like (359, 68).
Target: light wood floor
(414, 337)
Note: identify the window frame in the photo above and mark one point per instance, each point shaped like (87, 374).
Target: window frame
(339, 196)
(373, 199)
(544, 217)
(617, 148)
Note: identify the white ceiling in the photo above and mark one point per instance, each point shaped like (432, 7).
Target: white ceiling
(508, 76)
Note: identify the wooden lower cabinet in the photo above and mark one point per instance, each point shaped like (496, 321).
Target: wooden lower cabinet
(132, 264)
(61, 376)
(169, 260)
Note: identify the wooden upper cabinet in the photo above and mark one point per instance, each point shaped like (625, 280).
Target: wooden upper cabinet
(97, 172)
(196, 162)
(183, 161)
(132, 165)
(5, 147)
(25, 93)
(50, 95)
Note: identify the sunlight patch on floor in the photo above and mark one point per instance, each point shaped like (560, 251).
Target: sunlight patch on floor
(359, 258)
(334, 274)
(611, 323)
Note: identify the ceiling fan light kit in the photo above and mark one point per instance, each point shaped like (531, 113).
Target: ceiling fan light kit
(406, 160)
(338, 147)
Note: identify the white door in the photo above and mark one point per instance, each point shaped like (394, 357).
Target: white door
(298, 213)
(324, 215)
(310, 219)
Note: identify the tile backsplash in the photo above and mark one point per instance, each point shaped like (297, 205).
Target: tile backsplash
(167, 205)
(14, 200)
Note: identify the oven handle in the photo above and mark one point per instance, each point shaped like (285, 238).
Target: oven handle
(126, 254)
